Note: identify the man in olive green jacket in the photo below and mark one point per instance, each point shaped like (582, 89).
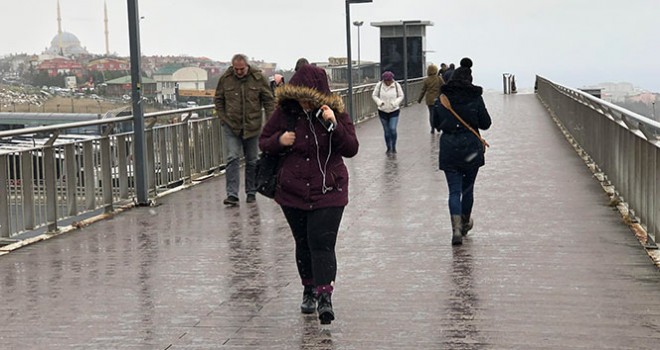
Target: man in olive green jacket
(241, 94)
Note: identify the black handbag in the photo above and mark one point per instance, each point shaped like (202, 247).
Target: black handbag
(267, 167)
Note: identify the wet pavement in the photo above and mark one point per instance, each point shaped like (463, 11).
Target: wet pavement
(548, 265)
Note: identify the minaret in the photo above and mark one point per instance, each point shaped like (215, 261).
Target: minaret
(59, 28)
(107, 41)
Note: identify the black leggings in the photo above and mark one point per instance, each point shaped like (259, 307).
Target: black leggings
(315, 233)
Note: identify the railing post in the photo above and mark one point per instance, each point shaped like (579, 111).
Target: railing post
(4, 197)
(208, 147)
(197, 150)
(122, 171)
(176, 163)
(71, 179)
(106, 174)
(151, 161)
(654, 177)
(89, 175)
(164, 166)
(27, 185)
(50, 184)
(217, 142)
(185, 134)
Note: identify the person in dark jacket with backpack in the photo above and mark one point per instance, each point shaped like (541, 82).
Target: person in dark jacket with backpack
(461, 151)
(312, 181)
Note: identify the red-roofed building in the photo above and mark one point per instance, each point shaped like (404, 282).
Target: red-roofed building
(108, 65)
(62, 66)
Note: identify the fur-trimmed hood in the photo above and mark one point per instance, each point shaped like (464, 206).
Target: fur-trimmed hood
(288, 92)
(309, 83)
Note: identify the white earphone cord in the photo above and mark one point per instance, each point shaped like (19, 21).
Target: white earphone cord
(323, 169)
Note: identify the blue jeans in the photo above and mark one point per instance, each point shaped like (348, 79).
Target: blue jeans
(234, 146)
(461, 190)
(389, 121)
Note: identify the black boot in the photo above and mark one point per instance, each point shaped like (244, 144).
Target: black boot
(457, 226)
(468, 223)
(308, 305)
(326, 315)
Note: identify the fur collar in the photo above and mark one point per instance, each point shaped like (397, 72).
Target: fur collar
(304, 93)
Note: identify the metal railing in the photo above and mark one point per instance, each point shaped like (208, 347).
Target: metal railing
(53, 179)
(625, 146)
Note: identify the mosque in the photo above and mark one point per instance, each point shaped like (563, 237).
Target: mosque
(67, 44)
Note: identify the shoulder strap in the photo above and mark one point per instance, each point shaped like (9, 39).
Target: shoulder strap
(380, 86)
(445, 103)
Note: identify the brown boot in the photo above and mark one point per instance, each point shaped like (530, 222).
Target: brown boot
(468, 223)
(457, 227)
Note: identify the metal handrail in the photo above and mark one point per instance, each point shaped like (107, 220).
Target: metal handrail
(98, 122)
(58, 180)
(621, 145)
(581, 96)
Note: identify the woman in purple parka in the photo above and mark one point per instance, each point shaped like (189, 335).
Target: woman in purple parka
(314, 132)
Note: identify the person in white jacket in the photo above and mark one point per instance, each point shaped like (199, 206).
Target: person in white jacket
(388, 96)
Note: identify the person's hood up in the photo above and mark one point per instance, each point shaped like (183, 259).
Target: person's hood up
(432, 70)
(309, 83)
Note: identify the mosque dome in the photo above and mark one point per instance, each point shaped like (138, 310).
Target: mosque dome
(68, 42)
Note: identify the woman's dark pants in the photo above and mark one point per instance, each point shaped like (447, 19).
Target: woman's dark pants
(315, 233)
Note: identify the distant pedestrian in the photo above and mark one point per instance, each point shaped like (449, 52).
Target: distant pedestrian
(312, 183)
(431, 90)
(461, 151)
(443, 69)
(275, 81)
(446, 76)
(388, 96)
(301, 62)
(241, 94)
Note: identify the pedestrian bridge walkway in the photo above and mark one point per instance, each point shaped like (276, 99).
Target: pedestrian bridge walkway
(549, 265)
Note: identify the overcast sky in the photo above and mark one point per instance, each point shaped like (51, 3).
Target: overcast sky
(573, 42)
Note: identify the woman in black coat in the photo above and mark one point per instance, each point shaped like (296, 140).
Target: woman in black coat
(461, 152)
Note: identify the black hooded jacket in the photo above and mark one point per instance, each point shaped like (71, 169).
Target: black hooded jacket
(459, 148)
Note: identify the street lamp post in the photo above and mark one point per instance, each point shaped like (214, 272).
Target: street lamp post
(348, 53)
(358, 24)
(139, 142)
